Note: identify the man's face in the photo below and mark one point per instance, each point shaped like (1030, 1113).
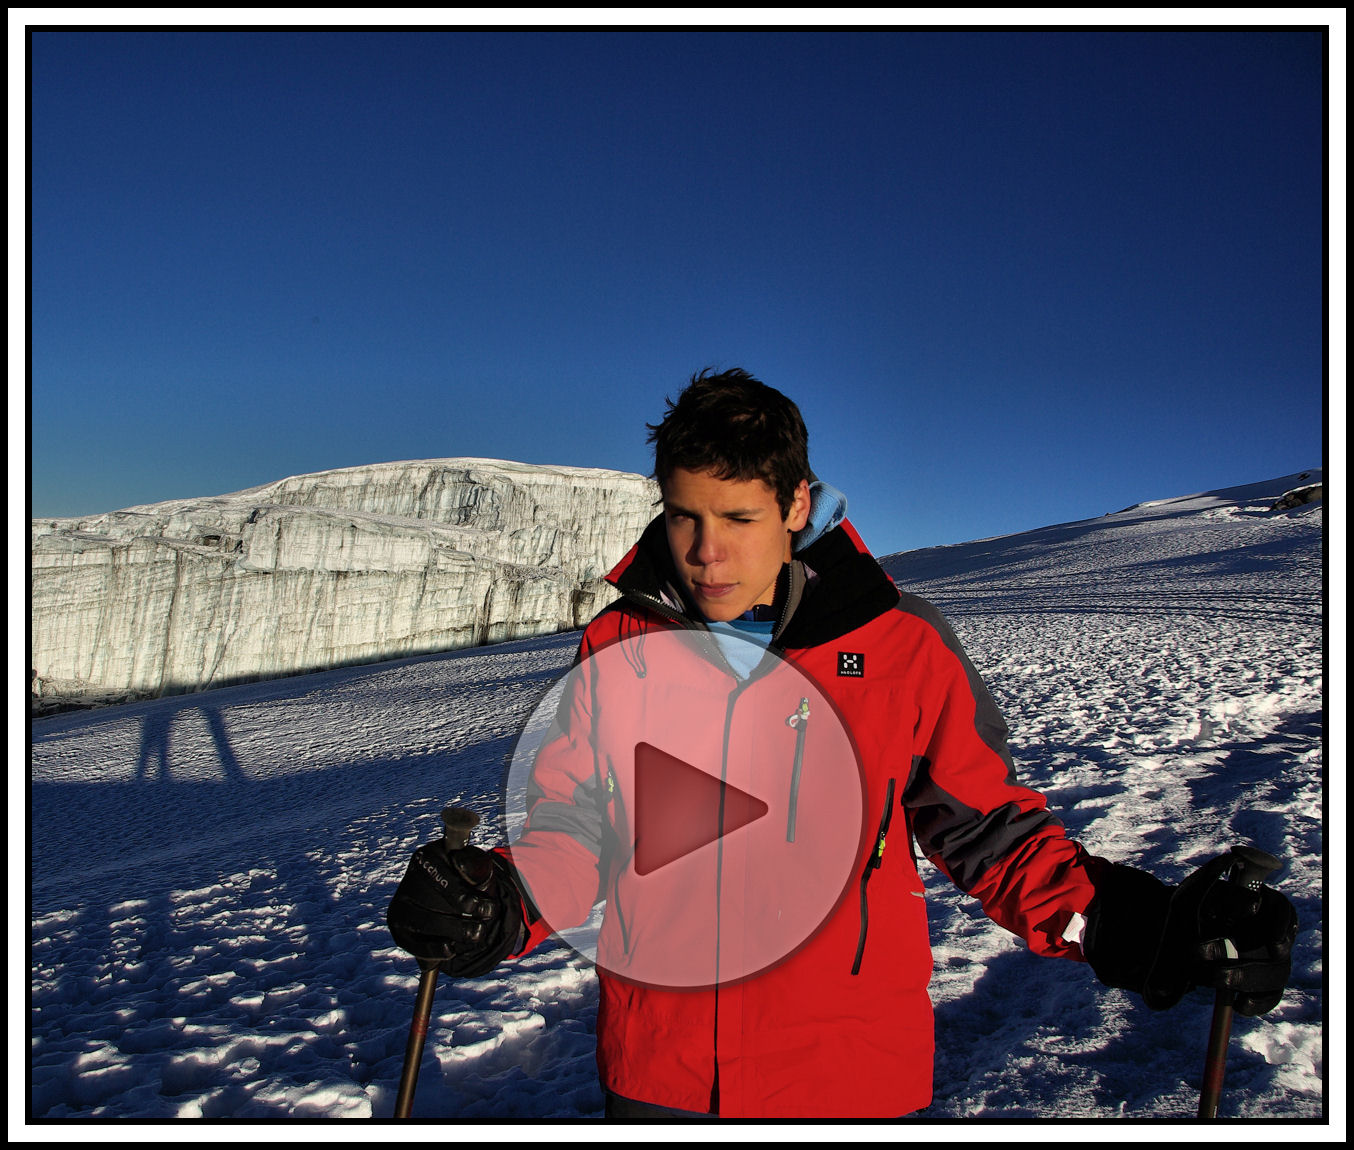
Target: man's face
(728, 539)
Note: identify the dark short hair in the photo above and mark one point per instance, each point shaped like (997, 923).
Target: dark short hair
(734, 427)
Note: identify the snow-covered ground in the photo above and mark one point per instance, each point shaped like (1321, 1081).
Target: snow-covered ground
(209, 873)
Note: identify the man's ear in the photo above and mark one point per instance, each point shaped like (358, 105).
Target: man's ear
(799, 508)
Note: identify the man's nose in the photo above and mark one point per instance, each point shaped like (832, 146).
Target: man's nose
(708, 546)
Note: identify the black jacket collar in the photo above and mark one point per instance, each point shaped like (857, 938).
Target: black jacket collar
(843, 586)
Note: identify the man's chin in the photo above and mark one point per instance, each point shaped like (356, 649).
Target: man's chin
(724, 615)
(720, 608)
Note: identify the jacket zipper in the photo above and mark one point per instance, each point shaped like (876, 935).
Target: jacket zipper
(872, 864)
(719, 881)
(658, 607)
(613, 800)
(801, 716)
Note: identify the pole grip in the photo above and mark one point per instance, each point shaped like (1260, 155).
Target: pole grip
(1250, 867)
(457, 823)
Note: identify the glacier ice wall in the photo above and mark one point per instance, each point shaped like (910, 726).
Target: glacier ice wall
(322, 570)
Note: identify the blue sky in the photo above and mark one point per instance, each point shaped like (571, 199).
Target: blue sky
(1012, 277)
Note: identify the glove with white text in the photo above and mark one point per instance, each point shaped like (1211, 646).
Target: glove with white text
(459, 909)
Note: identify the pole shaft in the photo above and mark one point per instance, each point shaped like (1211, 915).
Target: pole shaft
(1215, 1062)
(418, 1033)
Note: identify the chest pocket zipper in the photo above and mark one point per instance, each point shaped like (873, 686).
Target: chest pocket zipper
(872, 864)
(799, 722)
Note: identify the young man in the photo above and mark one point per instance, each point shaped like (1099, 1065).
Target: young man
(705, 1009)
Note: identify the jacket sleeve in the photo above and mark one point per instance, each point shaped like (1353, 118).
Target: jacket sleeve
(994, 838)
(557, 855)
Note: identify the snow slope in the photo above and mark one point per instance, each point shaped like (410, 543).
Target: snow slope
(209, 874)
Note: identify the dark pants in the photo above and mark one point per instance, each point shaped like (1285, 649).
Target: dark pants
(619, 1109)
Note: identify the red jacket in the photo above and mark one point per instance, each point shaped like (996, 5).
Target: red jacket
(843, 1028)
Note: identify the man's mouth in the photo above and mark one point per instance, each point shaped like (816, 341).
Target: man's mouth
(713, 590)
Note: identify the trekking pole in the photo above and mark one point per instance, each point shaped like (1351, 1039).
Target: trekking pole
(1250, 868)
(458, 823)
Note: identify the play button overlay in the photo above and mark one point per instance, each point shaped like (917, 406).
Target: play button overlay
(727, 813)
(679, 808)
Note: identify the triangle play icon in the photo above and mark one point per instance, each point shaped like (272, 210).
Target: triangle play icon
(679, 808)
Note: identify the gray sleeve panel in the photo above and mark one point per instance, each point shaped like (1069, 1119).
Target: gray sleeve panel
(578, 822)
(987, 717)
(581, 818)
(966, 841)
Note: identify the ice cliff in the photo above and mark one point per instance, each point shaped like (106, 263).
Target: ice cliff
(338, 567)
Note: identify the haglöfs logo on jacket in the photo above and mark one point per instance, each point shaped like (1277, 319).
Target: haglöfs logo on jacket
(851, 664)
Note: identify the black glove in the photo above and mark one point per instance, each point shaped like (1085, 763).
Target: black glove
(1161, 941)
(458, 908)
